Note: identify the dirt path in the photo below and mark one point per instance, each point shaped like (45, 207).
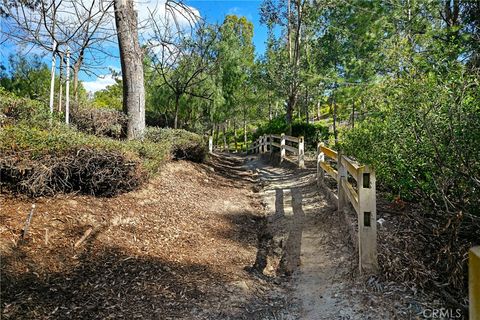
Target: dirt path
(311, 237)
(235, 238)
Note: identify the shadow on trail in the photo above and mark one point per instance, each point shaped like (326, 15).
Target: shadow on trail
(105, 283)
(279, 235)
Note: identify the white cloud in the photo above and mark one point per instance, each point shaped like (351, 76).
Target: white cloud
(99, 84)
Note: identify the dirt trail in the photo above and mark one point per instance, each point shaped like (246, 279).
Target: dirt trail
(314, 246)
(236, 238)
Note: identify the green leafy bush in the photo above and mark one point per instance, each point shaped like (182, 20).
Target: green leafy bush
(424, 140)
(312, 133)
(38, 161)
(14, 109)
(184, 144)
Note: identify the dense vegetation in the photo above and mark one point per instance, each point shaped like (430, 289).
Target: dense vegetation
(43, 157)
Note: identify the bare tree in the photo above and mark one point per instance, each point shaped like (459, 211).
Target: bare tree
(131, 57)
(182, 54)
(81, 25)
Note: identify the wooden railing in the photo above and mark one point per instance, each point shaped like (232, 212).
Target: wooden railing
(474, 283)
(362, 197)
(267, 143)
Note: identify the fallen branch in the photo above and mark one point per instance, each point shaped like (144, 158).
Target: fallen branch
(27, 223)
(87, 234)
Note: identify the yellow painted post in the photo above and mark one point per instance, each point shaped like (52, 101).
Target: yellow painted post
(367, 220)
(474, 282)
(341, 179)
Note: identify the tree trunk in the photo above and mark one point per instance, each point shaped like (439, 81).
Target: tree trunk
(291, 102)
(60, 89)
(235, 134)
(216, 134)
(306, 107)
(245, 133)
(52, 79)
(318, 110)
(177, 103)
(225, 148)
(76, 71)
(131, 59)
(334, 106)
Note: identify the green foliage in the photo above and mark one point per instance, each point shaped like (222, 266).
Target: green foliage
(14, 109)
(184, 144)
(111, 97)
(312, 133)
(28, 77)
(429, 151)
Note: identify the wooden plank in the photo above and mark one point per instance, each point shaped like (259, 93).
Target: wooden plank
(291, 149)
(276, 144)
(328, 169)
(292, 139)
(474, 282)
(332, 154)
(352, 166)
(351, 194)
(274, 136)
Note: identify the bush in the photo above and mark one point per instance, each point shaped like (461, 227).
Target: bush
(37, 162)
(184, 144)
(423, 141)
(103, 122)
(312, 133)
(14, 109)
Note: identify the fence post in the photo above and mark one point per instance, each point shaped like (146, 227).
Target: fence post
(282, 147)
(301, 152)
(342, 176)
(210, 144)
(474, 283)
(270, 144)
(320, 159)
(367, 220)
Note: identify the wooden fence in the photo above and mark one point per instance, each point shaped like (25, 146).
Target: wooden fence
(267, 143)
(355, 185)
(474, 283)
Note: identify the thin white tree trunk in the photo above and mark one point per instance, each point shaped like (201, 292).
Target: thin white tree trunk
(52, 79)
(60, 89)
(67, 90)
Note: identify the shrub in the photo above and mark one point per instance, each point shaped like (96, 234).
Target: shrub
(184, 144)
(38, 162)
(312, 133)
(14, 109)
(423, 141)
(104, 122)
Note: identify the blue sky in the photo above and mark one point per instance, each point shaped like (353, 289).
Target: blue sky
(215, 11)
(211, 10)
